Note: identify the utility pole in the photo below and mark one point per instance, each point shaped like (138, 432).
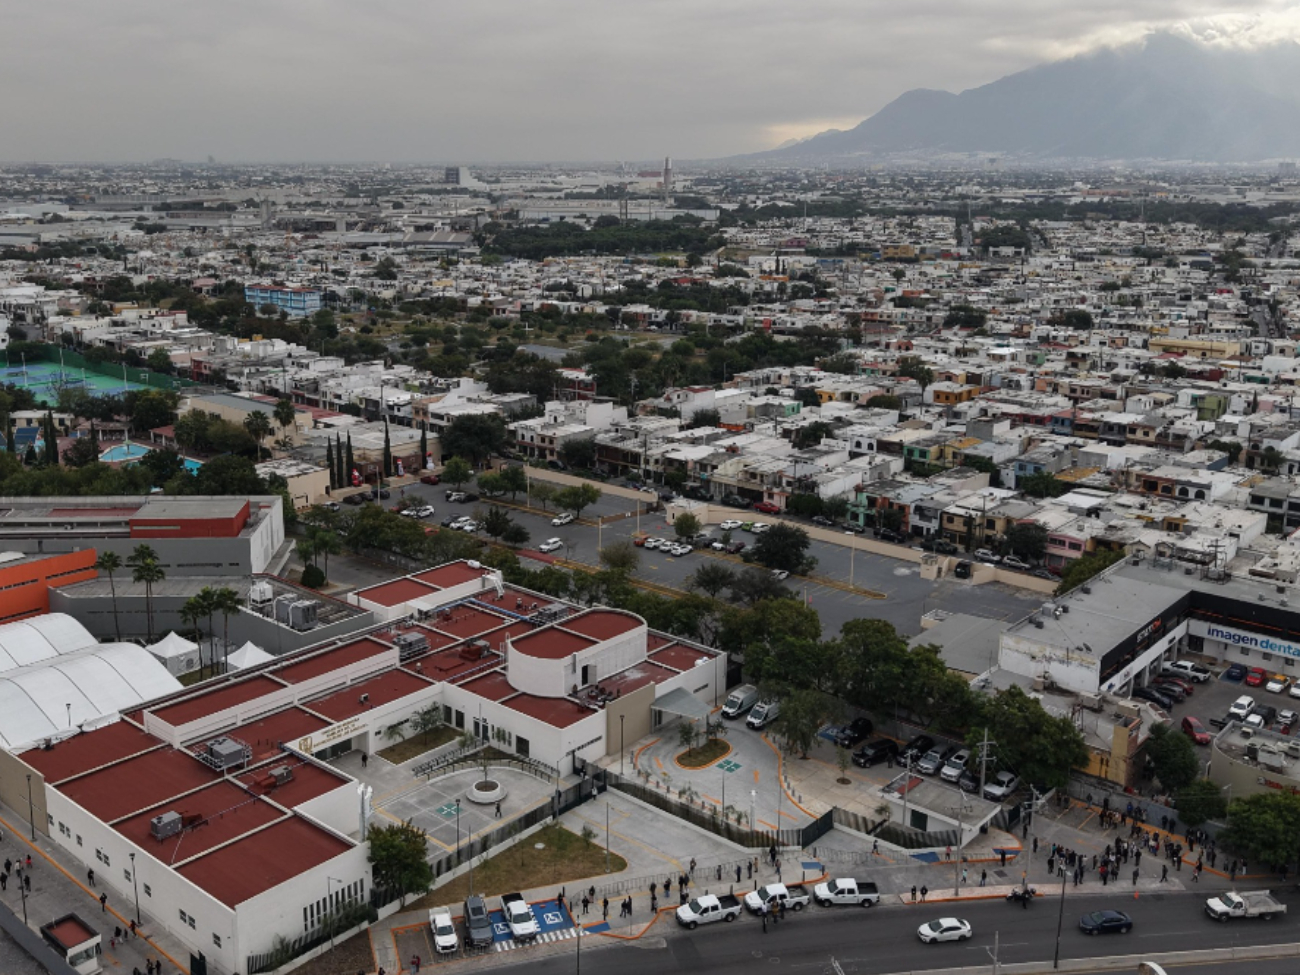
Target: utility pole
(984, 759)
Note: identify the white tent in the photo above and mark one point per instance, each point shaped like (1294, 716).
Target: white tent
(177, 654)
(249, 655)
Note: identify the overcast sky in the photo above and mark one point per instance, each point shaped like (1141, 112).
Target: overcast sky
(515, 80)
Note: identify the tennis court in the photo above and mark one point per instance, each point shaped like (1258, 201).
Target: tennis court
(45, 379)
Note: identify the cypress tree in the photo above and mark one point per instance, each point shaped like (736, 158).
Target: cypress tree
(11, 438)
(339, 461)
(424, 444)
(329, 465)
(51, 440)
(388, 452)
(94, 437)
(352, 464)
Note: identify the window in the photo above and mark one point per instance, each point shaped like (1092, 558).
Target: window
(78, 839)
(126, 875)
(50, 818)
(148, 891)
(184, 917)
(216, 940)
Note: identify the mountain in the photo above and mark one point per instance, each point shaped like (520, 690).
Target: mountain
(1167, 98)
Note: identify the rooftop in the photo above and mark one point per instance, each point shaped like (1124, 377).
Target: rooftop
(552, 643)
(137, 783)
(381, 689)
(216, 699)
(396, 592)
(213, 816)
(322, 663)
(89, 750)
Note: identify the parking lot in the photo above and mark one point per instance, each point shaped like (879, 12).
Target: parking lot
(1210, 701)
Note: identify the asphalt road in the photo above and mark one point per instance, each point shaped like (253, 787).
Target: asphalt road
(883, 939)
(908, 596)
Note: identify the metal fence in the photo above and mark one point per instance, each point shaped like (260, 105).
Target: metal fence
(331, 926)
(114, 370)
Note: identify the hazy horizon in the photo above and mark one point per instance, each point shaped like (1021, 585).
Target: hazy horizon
(410, 83)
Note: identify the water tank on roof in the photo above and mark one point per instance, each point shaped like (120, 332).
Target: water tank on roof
(259, 594)
(410, 644)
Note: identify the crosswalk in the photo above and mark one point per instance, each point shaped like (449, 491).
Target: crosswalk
(561, 934)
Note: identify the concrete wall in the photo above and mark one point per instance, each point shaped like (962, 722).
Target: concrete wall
(14, 789)
(634, 711)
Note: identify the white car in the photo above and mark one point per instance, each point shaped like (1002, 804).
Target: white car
(731, 524)
(424, 511)
(760, 527)
(781, 574)
(652, 543)
(444, 931)
(1011, 562)
(563, 519)
(944, 929)
(682, 550)
(1003, 784)
(550, 545)
(469, 526)
(1242, 707)
(1287, 717)
(1295, 690)
(984, 555)
(1278, 683)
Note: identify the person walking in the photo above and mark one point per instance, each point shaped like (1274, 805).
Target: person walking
(365, 759)
(415, 964)
(984, 877)
(924, 890)
(738, 873)
(90, 875)
(1164, 873)
(586, 903)
(913, 893)
(103, 903)
(604, 908)
(762, 913)
(963, 875)
(497, 815)
(692, 867)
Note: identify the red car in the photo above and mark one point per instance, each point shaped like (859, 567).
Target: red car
(1187, 686)
(430, 479)
(767, 508)
(639, 541)
(1194, 730)
(1256, 676)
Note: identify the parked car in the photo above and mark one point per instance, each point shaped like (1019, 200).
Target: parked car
(1255, 676)
(1169, 690)
(944, 929)
(760, 527)
(519, 917)
(1003, 784)
(768, 508)
(969, 782)
(1278, 683)
(551, 545)
(963, 569)
(956, 764)
(707, 909)
(1042, 573)
(823, 521)
(640, 540)
(794, 897)
(735, 501)
(1286, 720)
(889, 535)
(781, 574)
(984, 555)
(1153, 695)
(915, 748)
(855, 731)
(1188, 687)
(450, 520)
(843, 890)
(735, 548)
(763, 714)
(430, 479)
(1242, 707)
(478, 924)
(1011, 562)
(424, 511)
(747, 526)
(1194, 730)
(444, 931)
(1188, 671)
(933, 760)
(1106, 922)
(562, 519)
(740, 700)
(1235, 673)
(355, 499)
(332, 506)
(876, 750)
(454, 496)
(730, 525)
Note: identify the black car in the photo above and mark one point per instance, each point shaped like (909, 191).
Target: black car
(888, 535)
(1154, 696)
(735, 501)
(451, 520)
(823, 521)
(1105, 922)
(478, 925)
(855, 731)
(915, 748)
(1171, 691)
(355, 499)
(877, 750)
(1235, 673)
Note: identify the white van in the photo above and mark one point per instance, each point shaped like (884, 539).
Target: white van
(764, 714)
(740, 700)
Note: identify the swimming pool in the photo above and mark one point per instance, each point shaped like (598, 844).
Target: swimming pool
(134, 451)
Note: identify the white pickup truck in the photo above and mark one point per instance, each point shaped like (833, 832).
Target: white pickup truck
(795, 897)
(844, 890)
(519, 917)
(1250, 903)
(706, 909)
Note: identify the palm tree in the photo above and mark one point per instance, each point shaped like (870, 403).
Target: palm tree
(285, 414)
(143, 561)
(108, 563)
(208, 600)
(227, 602)
(325, 542)
(258, 426)
(193, 612)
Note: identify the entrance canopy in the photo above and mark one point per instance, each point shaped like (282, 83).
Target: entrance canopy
(684, 704)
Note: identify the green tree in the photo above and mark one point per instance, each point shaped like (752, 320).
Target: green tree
(398, 855)
(516, 535)
(388, 452)
(490, 485)
(109, 562)
(756, 586)
(226, 602)
(82, 452)
(1027, 540)
(1265, 827)
(1172, 756)
(143, 562)
(784, 547)
(424, 445)
(711, 578)
(51, 439)
(1044, 749)
(1081, 570)
(686, 525)
(803, 712)
(579, 453)
(193, 613)
(163, 464)
(151, 408)
(331, 465)
(285, 414)
(542, 493)
(324, 542)
(884, 401)
(496, 522)
(457, 471)
(913, 368)
(258, 426)
(620, 557)
(1043, 485)
(1229, 447)
(1200, 801)
(577, 497)
(703, 418)
(159, 361)
(426, 721)
(476, 436)
(514, 478)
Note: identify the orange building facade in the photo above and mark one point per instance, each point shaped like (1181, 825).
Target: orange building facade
(25, 583)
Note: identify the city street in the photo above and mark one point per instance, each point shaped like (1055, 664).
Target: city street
(884, 940)
(907, 596)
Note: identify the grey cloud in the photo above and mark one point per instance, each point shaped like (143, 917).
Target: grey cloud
(417, 80)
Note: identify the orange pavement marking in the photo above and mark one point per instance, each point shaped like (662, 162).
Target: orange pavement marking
(788, 816)
(769, 825)
(716, 801)
(659, 762)
(756, 776)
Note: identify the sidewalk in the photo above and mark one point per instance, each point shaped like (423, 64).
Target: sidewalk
(59, 886)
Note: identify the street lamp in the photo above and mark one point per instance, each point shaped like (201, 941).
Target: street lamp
(753, 796)
(136, 884)
(621, 750)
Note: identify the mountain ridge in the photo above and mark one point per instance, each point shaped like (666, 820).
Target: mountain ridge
(1166, 98)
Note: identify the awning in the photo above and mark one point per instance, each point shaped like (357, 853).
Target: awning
(683, 703)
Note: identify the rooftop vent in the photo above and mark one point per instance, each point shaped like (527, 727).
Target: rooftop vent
(168, 824)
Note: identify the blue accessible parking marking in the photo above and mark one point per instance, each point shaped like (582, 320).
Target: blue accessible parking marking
(811, 865)
(549, 914)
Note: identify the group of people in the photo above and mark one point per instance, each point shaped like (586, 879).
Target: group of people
(23, 876)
